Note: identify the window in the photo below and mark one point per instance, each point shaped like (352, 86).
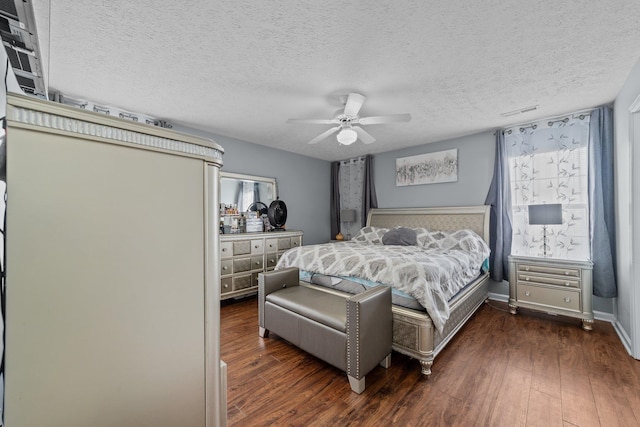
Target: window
(548, 163)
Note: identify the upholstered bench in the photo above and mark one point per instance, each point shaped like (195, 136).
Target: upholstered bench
(353, 334)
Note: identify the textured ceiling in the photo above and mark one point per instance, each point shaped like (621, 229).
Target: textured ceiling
(242, 68)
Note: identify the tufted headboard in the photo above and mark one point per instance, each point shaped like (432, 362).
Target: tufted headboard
(452, 218)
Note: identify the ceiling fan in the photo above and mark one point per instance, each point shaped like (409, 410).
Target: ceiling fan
(348, 122)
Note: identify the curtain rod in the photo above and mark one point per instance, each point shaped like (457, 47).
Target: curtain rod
(581, 114)
(354, 159)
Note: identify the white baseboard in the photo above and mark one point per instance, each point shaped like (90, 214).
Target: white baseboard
(604, 316)
(622, 334)
(498, 297)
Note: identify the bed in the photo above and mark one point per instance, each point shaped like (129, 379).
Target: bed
(415, 333)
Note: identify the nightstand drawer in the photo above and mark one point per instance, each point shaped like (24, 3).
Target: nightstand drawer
(556, 298)
(571, 282)
(565, 272)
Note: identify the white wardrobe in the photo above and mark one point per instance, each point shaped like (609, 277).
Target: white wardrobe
(113, 278)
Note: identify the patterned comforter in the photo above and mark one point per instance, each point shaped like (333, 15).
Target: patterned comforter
(432, 271)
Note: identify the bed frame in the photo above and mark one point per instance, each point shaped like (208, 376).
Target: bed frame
(413, 332)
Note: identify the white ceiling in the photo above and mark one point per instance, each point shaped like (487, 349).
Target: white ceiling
(242, 68)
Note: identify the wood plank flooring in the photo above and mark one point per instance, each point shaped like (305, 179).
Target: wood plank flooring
(500, 370)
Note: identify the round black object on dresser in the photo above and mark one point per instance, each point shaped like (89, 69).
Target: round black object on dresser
(277, 214)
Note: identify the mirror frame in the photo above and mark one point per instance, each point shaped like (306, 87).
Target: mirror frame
(245, 177)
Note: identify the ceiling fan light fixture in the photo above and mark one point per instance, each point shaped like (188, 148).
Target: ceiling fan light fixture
(347, 136)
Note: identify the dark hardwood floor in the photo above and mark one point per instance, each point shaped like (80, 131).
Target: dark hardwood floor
(500, 370)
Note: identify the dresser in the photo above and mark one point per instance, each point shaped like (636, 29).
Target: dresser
(554, 286)
(243, 256)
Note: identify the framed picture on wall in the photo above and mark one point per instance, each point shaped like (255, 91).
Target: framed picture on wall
(430, 168)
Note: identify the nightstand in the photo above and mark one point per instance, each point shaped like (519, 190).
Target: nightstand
(555, 286)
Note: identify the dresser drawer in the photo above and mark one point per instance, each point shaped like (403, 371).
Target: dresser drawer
(242, 247)
(241, 264)
(226, 249)
(242, 282)
(569, 282)
(226, 267)
(226, 285)
(257, 263)
(296, 241)
(271, 245)
(284, 243)
(557, 298)
(565, 272)
(248, 264)
(257, 246)
(272, 260)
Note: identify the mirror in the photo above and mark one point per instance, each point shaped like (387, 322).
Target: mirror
(239, 191)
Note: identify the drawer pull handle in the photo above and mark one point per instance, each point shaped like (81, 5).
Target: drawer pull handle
(567, 284)
(225, 268)
(528, 294)
(224, 249)
(567, 299)
(226, 286)
(566, 273)
(257, 262)
(256, 246)
(526, 278)
(526, 269)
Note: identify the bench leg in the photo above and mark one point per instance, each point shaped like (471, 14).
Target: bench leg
(264, 333)
(356, 385)
(386, 362)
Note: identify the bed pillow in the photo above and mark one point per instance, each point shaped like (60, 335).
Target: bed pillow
(371, 235)
(400, 236)
(423, 236)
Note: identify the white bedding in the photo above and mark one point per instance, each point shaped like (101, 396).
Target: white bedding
(432, 272)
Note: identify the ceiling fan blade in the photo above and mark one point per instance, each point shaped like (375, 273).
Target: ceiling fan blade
(315, 121)
(390, 118)
(323, 135)
(354, 103)
(363, 135)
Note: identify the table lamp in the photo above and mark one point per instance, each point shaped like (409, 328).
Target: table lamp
(348, 216)
(544, 215)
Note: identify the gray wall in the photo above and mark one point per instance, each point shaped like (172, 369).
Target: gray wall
(475, 168)
(303, 182)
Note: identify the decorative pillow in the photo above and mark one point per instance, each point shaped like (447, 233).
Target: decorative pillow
(371, 235)
(400, 236)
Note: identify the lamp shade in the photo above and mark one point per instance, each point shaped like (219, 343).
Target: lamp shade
(347, 136)
(545, 214)
(348, 215)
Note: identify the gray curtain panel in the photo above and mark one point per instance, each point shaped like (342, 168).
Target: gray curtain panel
(369, 199)
(499, 197)
(601, 203)
(334, 204)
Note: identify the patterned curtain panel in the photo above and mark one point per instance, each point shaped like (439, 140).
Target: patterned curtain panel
(548, 163)
(351, 178)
